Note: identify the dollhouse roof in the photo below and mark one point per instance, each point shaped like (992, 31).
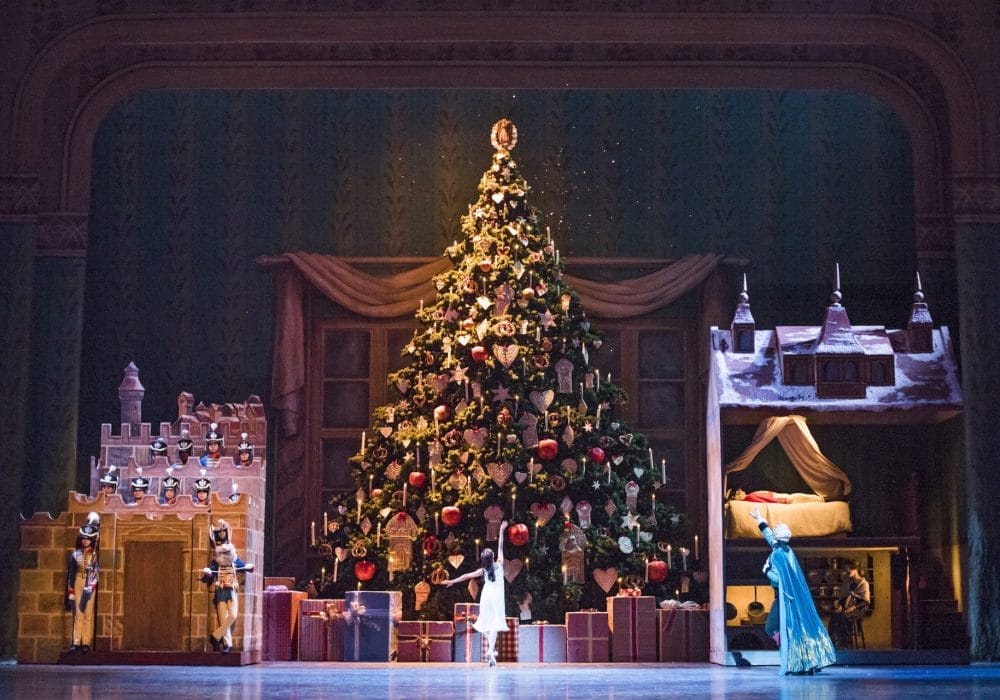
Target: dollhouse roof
(750, 385)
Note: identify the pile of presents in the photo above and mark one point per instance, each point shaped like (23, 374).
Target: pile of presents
(367, 626)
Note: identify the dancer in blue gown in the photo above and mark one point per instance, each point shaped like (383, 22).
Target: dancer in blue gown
(803, 643)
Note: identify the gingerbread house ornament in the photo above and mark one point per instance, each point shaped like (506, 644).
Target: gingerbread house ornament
(401, 531)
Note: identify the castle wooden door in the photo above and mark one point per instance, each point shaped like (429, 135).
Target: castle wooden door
(154, 595)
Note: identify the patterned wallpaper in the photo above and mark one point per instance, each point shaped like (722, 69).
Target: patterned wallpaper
(189, 187)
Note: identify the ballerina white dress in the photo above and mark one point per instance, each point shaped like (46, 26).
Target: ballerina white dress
(492, 608)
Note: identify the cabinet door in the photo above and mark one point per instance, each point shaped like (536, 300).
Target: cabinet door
(154, 595)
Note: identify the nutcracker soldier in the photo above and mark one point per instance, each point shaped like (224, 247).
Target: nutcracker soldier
(202, 490)
(213, 447)
(81, 583)
(244, 451)
(109, 482)
(171, 487)
(221, 577)
(140, 486)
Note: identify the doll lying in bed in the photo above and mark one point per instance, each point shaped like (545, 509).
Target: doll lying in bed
(772, 497)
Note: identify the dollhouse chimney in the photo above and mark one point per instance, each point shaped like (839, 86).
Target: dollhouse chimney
(130, 393)
(920, 328)
(743, 327)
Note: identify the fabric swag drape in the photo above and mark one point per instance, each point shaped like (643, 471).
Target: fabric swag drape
(397, 295)
(823, 476)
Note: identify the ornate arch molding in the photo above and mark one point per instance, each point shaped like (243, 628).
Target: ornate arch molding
(110, 58)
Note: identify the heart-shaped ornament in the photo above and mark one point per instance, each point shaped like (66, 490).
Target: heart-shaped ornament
(534, 467)
(403, 385)
(341, 553)
(615, 426)
(645, 536)
(617, 459)
(464, 338)
(497, 197)
(597, 344)
(384, 513)
(393, 470)
(519, 477)
(542, 399)
(499, 472)
(438, 382)
(475, 438)
(543, 512)
(511, 569)
(638, 471)
(386, 431)
(418, 399)
(456, 560)
(605, 578)
(406, 442)
(625, 439)
(506, 354)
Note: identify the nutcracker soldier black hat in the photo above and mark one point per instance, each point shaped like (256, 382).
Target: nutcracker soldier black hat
(185, 443)
(203, 484)
(158, 448)
(213, 437)
(139, 482)
(110, 478)
(220, 532)
(92, 528)
(245, 448)
(171, 482)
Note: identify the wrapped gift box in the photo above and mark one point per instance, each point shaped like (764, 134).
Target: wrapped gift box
(286, 581)
(588, 637)
(541, 643)
(632, 620)
(281, 617)
(683, 635)
(370, 630)
(467, 646)
(425, 640)
(335, 630)
(312, 636)
(506, 646)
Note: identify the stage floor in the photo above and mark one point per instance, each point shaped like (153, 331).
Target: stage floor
(445, 681)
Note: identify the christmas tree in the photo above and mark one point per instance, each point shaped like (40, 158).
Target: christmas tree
(500, 416)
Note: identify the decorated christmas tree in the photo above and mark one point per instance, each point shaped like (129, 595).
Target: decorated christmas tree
(501, 416)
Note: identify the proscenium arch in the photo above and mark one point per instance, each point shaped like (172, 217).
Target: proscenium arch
(936, 155)
(929, 193)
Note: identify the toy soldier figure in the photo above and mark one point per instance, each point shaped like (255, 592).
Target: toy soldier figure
(202, 491)
(158, 448)
(221, 575)
(171, 487)
(109, 483)
(184, 447)
(140, 487)
(81, 583)
(213, 447)
(244, 451)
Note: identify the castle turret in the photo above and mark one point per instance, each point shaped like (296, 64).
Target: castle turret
(130, 393)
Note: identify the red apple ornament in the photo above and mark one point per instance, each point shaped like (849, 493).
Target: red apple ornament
(657, 571)
(451, 516)
(549, 448)
(479, 353)
(364, 570)
(597, 455)
(417, 479)
(518, 534)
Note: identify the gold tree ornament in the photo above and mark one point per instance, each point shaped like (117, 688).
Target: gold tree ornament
(504, 135)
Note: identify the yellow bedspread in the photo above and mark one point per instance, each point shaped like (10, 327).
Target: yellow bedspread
(804, 519)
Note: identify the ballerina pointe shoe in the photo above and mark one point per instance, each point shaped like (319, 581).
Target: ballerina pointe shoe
(493, 659)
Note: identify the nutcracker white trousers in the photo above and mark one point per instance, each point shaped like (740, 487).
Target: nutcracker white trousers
(83, 620)
(227, 611)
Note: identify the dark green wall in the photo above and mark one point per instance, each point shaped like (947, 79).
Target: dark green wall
(189, 187)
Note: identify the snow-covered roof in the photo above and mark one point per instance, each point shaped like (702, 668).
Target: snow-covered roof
(752, 381)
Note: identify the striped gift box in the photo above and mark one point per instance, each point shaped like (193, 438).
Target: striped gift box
(334, 630)
(632, 620)
(506, 642)
(683, 635)
(281, 617)
(467, 647)
(588, 637)
(312, 636)
(542, 643)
